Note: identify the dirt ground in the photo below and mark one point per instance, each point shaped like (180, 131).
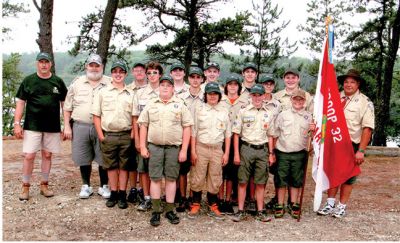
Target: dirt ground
(373, 212)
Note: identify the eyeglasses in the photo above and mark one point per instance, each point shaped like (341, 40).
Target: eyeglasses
(213, 64)
(152, 73)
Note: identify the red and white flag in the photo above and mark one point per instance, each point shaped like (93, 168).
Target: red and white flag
(334, 160)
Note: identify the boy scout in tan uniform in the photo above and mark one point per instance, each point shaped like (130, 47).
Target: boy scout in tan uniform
(233, 102)
(360, 119)
(291, 132)
(211, 128)
(192, 97)
(142, 97)
(177, 72)
(165, 125)
(292, 80)
(112, 118)
(249, 73)
(254, 124)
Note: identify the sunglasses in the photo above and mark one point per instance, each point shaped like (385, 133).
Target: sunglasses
(213, 64)
(152, 73)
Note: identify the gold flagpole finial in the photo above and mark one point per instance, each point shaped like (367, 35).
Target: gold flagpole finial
(328, 21)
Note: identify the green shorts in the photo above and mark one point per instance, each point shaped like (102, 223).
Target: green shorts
(253, 162)
(116, 150)
(163, 162)
(290, 169)
(143, 164)
(353, 179)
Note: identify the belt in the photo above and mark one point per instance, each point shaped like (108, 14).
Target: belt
(261, 146)
(165, 146)
(117, 133)
(218, 145)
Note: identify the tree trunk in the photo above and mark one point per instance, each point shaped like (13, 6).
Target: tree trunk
(45, 29)
(384, 104)
(106, 29)
(193, 25)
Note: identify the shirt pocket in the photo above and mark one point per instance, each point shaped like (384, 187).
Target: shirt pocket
(109, 103)
(154, 115)
(175, 117)
(287, 127)
(220, 124)
(352, 116)
(82, 97)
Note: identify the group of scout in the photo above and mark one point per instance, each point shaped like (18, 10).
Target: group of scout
(180, 128)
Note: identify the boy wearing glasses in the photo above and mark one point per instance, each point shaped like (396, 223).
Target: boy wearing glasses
(112, 118)
(142, 97)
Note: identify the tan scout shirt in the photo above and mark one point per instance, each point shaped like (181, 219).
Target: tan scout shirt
(273, 105)
(284, 98)
(254, 125)
(142, 97)
(133, 86)
(165, 122)
(80, 97)
(233, 109)
(191, 101)
(115, 108)
(211, 124)
(359, 113)
(183, 89)
(291, 129)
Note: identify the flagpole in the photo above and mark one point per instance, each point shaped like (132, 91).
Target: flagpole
(305, 173)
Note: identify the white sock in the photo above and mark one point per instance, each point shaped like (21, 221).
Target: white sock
(147, 198)
(340, 205)
(331, 201)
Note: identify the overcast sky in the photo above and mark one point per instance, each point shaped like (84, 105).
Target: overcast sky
(68, 13)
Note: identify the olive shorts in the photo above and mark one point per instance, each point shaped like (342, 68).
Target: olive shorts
(163, 162)
(290, 169)
(116, 149)
(253, 162)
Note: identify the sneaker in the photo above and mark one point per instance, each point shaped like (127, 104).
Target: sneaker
(229, 208)
(271, 204)
(279, 210)
(294, 210)
(239, 216)
(112, 200)
(144, 205)
(86, 192)
(181, 207)
(326, 210)
(214, 212)
(104, 192)
(251, 207)
(141, 195)
(339, 212)
(262, 216)
(194, 210)
(172, 217)
(155, 219)
(133, 195)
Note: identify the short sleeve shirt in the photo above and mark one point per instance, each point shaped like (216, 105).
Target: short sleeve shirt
(142, 97)
(359, 113)
(42, 97)
(284, 98)
(211, 124)
(291, 128)
(191, 101)
(165, 121)
(114, 107)
(254, 125)
(233, 109)
(80, 97)
(273, 105)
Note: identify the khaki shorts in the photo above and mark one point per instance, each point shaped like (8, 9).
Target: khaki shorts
(35, 141)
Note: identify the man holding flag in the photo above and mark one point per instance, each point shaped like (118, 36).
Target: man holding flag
(344, 126)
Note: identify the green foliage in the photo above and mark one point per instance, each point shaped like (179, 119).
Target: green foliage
(12, 77)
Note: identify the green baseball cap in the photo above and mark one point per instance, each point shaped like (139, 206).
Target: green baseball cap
(211, 64)
(233, 77)
(251, 65)
(212, 87)
(43, 55)
(119, 63)
(265, 78)
(257, 89)
(176, 65)
(196, 70)
(142, 64)
(292, 71)
(168, 78)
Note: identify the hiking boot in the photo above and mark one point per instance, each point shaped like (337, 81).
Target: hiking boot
(112, 200)
(326, 210)
(339, 212)
(214, 212)
(144, 205)
(140, 195)
(239, 216)
(271, 204)
(86, 192)
(172, 217)
(262, 216)
(104, 191)
(229, 208)
(44, 189)
(155, 219)
(122, 204)
(279, 210)
(133, 195)
(188, 203)
(222, 206)
(251, 207)
(194, 210)
(294, 210)
(181, 207)
(25, 192)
